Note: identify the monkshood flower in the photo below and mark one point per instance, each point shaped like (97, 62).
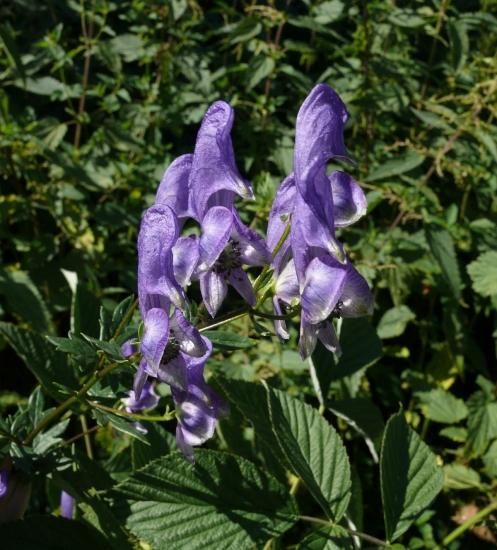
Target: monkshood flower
(197, 406)
(4, 483)
(313, 267)
(148, 399)
(67, 505)
(226, 244)
(14, 493)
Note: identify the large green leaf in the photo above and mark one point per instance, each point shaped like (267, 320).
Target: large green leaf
(222, 501)
(410, 477)
(304, 439)
(400, 165)
(442, 247)
(483, 273)
(48, 365)
(394, 322)
(49, 532)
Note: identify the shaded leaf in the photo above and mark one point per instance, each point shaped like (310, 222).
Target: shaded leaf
(394, 322)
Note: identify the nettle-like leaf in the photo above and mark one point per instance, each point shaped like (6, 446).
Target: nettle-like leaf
(410, 477)
(483, 273)
(327, 538)
(442, 247)
(441, 406)
(303, 439)
(222, 501)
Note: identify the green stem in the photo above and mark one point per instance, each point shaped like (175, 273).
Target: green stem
(468, 524)
(65, 405)
(87, 439)
(168, 415)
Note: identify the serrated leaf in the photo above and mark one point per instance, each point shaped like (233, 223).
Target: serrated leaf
(490, 460)
(394, 322)
(24, 300)
(48, 365)
(483, 273)
(458, 476)
(394, 167)
(327, 538)
(410, 477)
(306, 442)
(38, 532)
(159, 443)
(442, 406)
(482, 425)
(75, 345)
(459, 43)
(119, 423)
(260, 68)
(221, 502)
(228, 340)
(442, 247)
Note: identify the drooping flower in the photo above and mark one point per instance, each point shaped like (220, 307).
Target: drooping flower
(226, 244)
(148, 399)
(67, 505)
(4, 483)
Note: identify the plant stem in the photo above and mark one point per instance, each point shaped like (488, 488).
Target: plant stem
(86, 435)
(168, 415)
(364, 536)
(468, 524)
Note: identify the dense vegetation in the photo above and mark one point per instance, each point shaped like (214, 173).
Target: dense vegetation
(96, 99)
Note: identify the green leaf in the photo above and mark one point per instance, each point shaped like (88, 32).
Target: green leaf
(482, 425)
(228, 340)
(302, 437)
(328, 11)
(38, 532)
(259, 69)
(442, 406)
(327, 538)
(458, 476)
(483, 273)
(487, 141)
(442, 247)
(7, 35)
(394, 322)
(24, 300)
(223, 501)
(490, 460)
(410, 477)
(45, 85)
(73, 345)
(455, 433)
(159, 443)
(459, 43)
(119, 423)
(407, 19)
(48, 365)
(364, 417)
(396, 166)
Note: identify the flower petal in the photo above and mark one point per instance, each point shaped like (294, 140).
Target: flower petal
(349, 200)
(279, 324)
(188, 337)
(140, 379)
(185, 258)
(253, 248)
(214, 288)
(214, 168)
(308, 338)
(323, 288)
(173, 190)
(148, 399)
(356, 298)
(174, 372)
(328, 337)
(197, 419)
(155, 337)
(67, 505)
(287, 285)
(156, 283)
(241, 283)
(216, 231)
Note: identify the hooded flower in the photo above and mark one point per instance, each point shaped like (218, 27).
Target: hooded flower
(312, 265)
(225, 242)
(14, 493)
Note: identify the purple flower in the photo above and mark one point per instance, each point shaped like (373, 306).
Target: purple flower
(311, 266)
(148, 399)
(197, 405)
(4, 483)
(225, 242)
(67, 505)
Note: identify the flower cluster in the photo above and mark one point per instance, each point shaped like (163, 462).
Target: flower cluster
(310, 267)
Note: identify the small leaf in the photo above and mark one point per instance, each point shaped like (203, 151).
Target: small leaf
(442, 247)
(459, 43)
(410, 477)
(483, 273)
(458, 476)
(442, 406)
(119, 423)
(397, 166)
(223, 501)
(394, 321)
(328, 11)
(228, 340)
(260, 68)
(73, 345)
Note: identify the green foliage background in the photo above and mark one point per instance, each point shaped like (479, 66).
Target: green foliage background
(98, 97)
